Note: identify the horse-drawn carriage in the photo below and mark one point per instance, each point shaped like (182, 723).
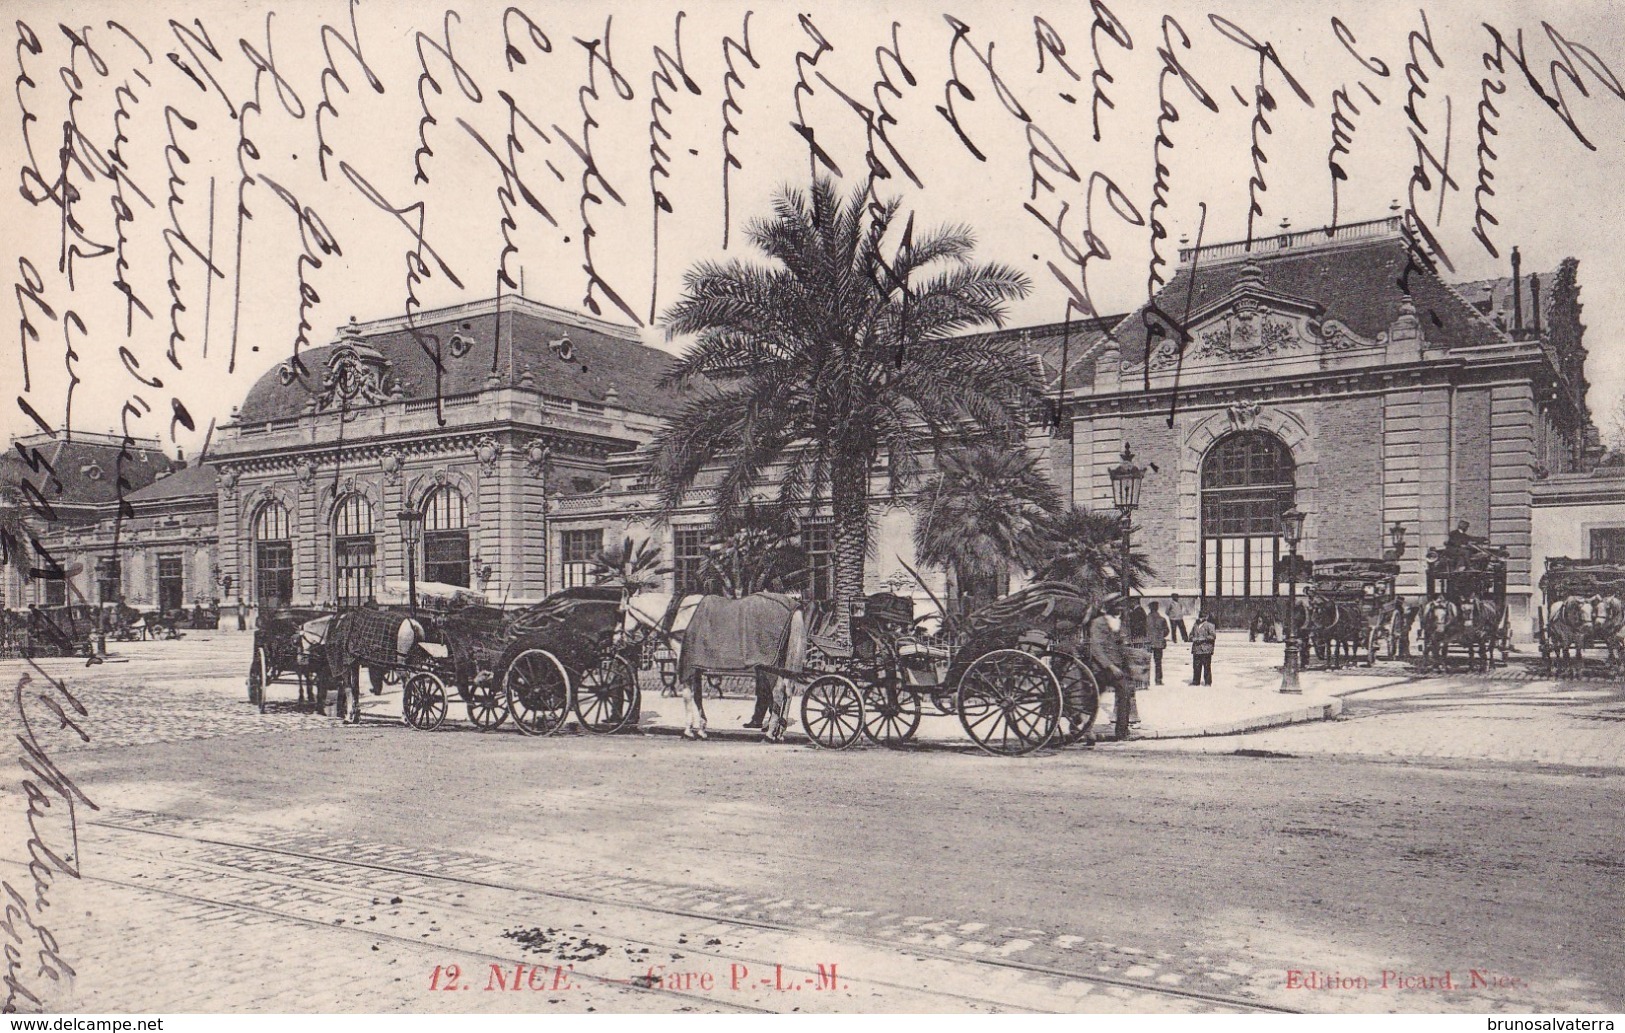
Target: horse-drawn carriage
(289, 649)
(1584, 607)
(1010, 672)
(1350, 608)
(1466, 605)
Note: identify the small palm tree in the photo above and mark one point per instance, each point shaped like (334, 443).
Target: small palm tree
(630, 566)
(1085, 548)
(843, 349)
(985, 514)
(760, 551)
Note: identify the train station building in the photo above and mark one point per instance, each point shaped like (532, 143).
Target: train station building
(1322, 371)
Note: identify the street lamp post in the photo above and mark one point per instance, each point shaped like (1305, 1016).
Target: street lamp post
(411, 533)
(1126, 478)
(1292, 529)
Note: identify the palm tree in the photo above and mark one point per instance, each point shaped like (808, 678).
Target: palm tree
(630, 566)
(985, 513)
(838, 352)
(1085, 547)
(758, 551)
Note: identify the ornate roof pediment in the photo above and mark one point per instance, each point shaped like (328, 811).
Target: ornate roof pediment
(1253, 324)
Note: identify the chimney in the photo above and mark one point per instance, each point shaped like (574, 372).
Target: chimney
(1517, 291)
(1534, 302)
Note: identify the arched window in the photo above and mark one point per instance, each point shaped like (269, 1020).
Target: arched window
(445, 537)
(273, 555)
(1247, 484)
(353, 550)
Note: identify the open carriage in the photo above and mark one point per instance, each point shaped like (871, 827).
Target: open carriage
(1466, 606)
(1350, 608)
(1010, 672)
(1583, 608)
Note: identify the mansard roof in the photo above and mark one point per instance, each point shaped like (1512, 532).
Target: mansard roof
(504, 342)
(193, 481)
(1354, 280)
(87, 466)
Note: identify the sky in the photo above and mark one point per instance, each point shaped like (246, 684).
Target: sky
(332, 160)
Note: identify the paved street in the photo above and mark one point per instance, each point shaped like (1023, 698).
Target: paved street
(282, 862)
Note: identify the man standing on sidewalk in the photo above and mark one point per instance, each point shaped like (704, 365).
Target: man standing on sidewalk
(1176, 618)
(1202, 638)
(1156, 639)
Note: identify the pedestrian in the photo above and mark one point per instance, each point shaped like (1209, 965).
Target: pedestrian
(1156, 640)
(1108, 655)
(1176, 618)
(1202, 638)
(1135, 624)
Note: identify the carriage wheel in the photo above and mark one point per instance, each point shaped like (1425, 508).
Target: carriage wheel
(487, 704)
(423, 702)
(946, 702)
(1078, 686)
(1009, 702)
(538, 691)
(1371, 637)
(607, 697)
(890, 716)
(258, 671)
(832, 712)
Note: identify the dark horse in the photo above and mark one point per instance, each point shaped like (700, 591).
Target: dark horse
(380, 639)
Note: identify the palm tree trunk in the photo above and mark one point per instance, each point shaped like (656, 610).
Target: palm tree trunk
(851, 510)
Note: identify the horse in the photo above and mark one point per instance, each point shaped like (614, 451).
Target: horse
(1336, 628)
(377, 638)
(1436, 617)
(1569, 625)
(764, 634)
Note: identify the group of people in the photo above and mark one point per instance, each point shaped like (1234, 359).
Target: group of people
(1147, 626)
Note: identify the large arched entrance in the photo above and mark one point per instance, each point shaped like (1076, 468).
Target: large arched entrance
(1247, 483)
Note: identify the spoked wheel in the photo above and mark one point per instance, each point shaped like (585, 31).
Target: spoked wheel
(832, 712)
(607, 698)
(890, 717)
(423, 701)
(538, 692)
(1009, 702)
(487, 704)
(258, 672)
(1080, 694)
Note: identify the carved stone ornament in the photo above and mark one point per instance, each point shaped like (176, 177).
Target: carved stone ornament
(1336, 336)
(486, 451)
(307, 472)
(537, 458)
(461, 345)
(441, 477)
(356, 376)
(228, 481)
(347, 486)
(391, 465)
(1242, 414)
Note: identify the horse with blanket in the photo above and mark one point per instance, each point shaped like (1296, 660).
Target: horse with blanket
(764, 635)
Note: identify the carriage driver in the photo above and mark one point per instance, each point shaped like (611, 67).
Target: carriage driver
(1108, 655)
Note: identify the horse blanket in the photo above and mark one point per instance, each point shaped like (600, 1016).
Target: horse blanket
(762, 630)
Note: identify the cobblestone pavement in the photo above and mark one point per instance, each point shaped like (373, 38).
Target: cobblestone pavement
(370, 920)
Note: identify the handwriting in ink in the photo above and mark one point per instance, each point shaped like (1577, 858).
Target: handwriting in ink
(876, 119)
(730, 108)
(124, 95)
(816, 155)
(1263, 104)
(598, 54)
(465, 82)
(1423, 248)
(1167, 115)
(177, 238)
(1344, 111)
(668, 70)
(330, 76)
(955, 87)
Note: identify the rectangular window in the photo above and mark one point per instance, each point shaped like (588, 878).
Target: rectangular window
(1608, 544)
(577, 549)
(445, 557)
(56, 591)
(353, 560)
(171, 584)
(818, 541)
(273, 573)
(687, 557)
(109, 585)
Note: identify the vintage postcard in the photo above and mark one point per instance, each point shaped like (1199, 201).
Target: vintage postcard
(1098, 507)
